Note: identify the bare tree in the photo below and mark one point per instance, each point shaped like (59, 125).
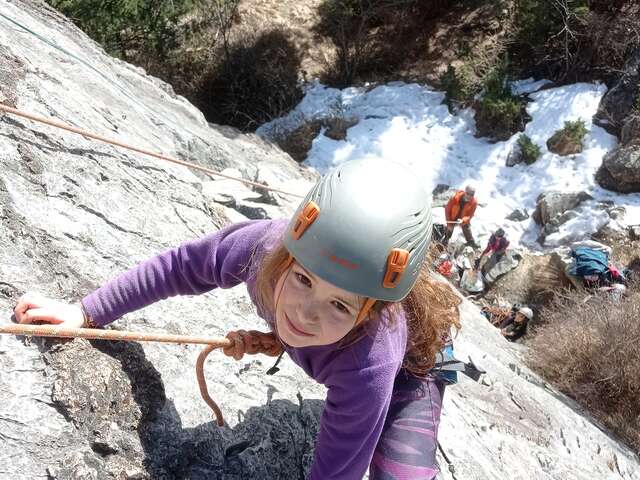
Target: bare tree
(349, 24)
(220, 14)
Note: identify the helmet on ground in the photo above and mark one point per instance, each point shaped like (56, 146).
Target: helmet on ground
(468, 251)
(364, 227)
(526, 311)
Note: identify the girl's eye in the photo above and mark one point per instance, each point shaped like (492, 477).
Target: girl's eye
(303, 279)
(341, 307)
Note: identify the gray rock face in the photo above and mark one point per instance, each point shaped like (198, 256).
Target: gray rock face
(630, 134)
(116, 399)
(554, 209)
(518, 215)
(74, 213)
(515, 156)
(551, 205)
(620, 170)
(619, 100)
(441, 195)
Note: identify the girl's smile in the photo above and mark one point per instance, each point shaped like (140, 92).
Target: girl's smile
(295, 330)
(310, 311)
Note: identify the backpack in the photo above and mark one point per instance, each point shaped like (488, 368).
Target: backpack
(589, 261)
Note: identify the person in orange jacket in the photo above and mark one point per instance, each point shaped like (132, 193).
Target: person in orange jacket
(459, 211)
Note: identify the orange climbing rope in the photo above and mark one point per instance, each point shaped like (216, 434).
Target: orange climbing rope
(259, 343)
(37, 118)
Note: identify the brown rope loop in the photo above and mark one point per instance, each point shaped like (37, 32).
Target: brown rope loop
(202, 383)
(84, 133)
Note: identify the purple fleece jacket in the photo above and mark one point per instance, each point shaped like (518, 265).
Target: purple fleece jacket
(359, 378)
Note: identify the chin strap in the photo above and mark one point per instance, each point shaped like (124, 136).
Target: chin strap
(368, 303)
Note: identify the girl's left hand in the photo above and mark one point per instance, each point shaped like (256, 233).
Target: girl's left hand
(33, 307)
(252, 342)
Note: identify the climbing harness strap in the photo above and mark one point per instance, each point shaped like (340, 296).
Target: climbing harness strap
(273, 370)
(452, 469)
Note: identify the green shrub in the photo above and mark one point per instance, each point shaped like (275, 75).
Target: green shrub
(133, 30)
(495, 83)
(499, 114)
(257, 83)
(374, 39)
(529, 150)
(573, 130)
(499, 118)
(458, 84)
(350, 25)
(538, 20)
(548, 36)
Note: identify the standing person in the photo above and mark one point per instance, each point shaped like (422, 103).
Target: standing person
(343, 289)
(497, 245)
(459, 211)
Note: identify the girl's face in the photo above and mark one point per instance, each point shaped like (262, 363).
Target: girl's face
(310, 311)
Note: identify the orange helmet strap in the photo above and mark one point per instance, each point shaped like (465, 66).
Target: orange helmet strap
(368, 303)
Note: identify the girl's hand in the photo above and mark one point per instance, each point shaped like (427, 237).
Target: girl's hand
(252, 342)
(36, 308)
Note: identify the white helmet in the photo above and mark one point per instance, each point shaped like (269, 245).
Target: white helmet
(526, 311)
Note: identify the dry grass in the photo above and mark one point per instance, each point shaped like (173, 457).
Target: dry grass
(589, 351)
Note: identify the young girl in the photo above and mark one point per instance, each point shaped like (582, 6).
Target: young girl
(342, 287)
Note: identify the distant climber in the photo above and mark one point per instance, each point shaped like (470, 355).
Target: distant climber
(515, 326)
(459, 211)
(497, 246)
(512, 322)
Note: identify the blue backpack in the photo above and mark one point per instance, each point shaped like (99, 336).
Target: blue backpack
(589, 262)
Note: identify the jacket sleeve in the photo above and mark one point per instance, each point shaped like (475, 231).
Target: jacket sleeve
(467, 218)
(449, 208)
(488, 247)
(352, 422)
(219, 260)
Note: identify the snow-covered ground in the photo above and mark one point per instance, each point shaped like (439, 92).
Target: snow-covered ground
(408, 123)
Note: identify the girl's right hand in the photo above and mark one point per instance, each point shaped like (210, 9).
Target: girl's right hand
(33, 307)
(252, 342)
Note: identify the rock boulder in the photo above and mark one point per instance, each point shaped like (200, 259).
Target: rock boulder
(620, 170)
